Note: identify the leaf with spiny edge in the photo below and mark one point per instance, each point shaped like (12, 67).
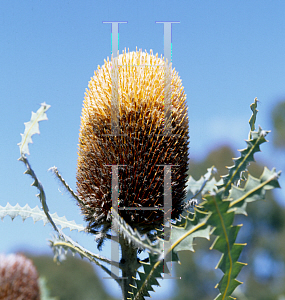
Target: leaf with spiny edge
(205, 184)
(254, 189)
(185, 230)
(182, 235)
(62, 243)
(222, 213)
(255, 139)
(37, 214)
(152, 270)
(226, 233)
(230, 200)
(241, 163)
(32, 127)
(39, 186)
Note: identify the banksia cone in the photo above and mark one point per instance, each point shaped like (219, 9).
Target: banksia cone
(18, 278)
(140, 144)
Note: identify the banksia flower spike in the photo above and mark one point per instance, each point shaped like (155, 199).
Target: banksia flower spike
(141, 146)
(18, 278)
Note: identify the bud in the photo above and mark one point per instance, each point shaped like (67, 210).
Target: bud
(140, 145)
(18, 278)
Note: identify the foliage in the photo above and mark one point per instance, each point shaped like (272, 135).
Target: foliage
(210, 210)
(37, 214)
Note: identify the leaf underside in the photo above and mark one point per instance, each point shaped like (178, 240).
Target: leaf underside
(37, 215)
(32, 127)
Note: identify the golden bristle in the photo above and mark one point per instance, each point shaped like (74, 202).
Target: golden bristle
(141, 144)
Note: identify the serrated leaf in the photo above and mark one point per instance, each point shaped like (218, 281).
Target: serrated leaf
(182, 235)
(38, 185)
(241, 163)
(221, 219)
(184, 232)
(222, 212)
(148, 278)
(255, 189)
(205, 184)
(62, 243)
(32, 127)
(37, 215)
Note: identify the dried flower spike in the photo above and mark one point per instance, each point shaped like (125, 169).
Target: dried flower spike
(18, 278)
(141, 144)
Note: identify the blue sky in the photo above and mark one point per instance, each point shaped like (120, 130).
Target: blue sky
(226, 52)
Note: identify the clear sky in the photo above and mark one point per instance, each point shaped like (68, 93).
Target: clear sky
(226, 52)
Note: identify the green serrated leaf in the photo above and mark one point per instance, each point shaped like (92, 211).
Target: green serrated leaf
(254, 190)
(221, 219)
(37, 215)
(222, 211)
(148, 278)
(241, 163)
(184, 232)
(62, 243)
(207, 183)
(182, 235)
(32, 127)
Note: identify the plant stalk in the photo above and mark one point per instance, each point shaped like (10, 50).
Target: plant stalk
(130, 264)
